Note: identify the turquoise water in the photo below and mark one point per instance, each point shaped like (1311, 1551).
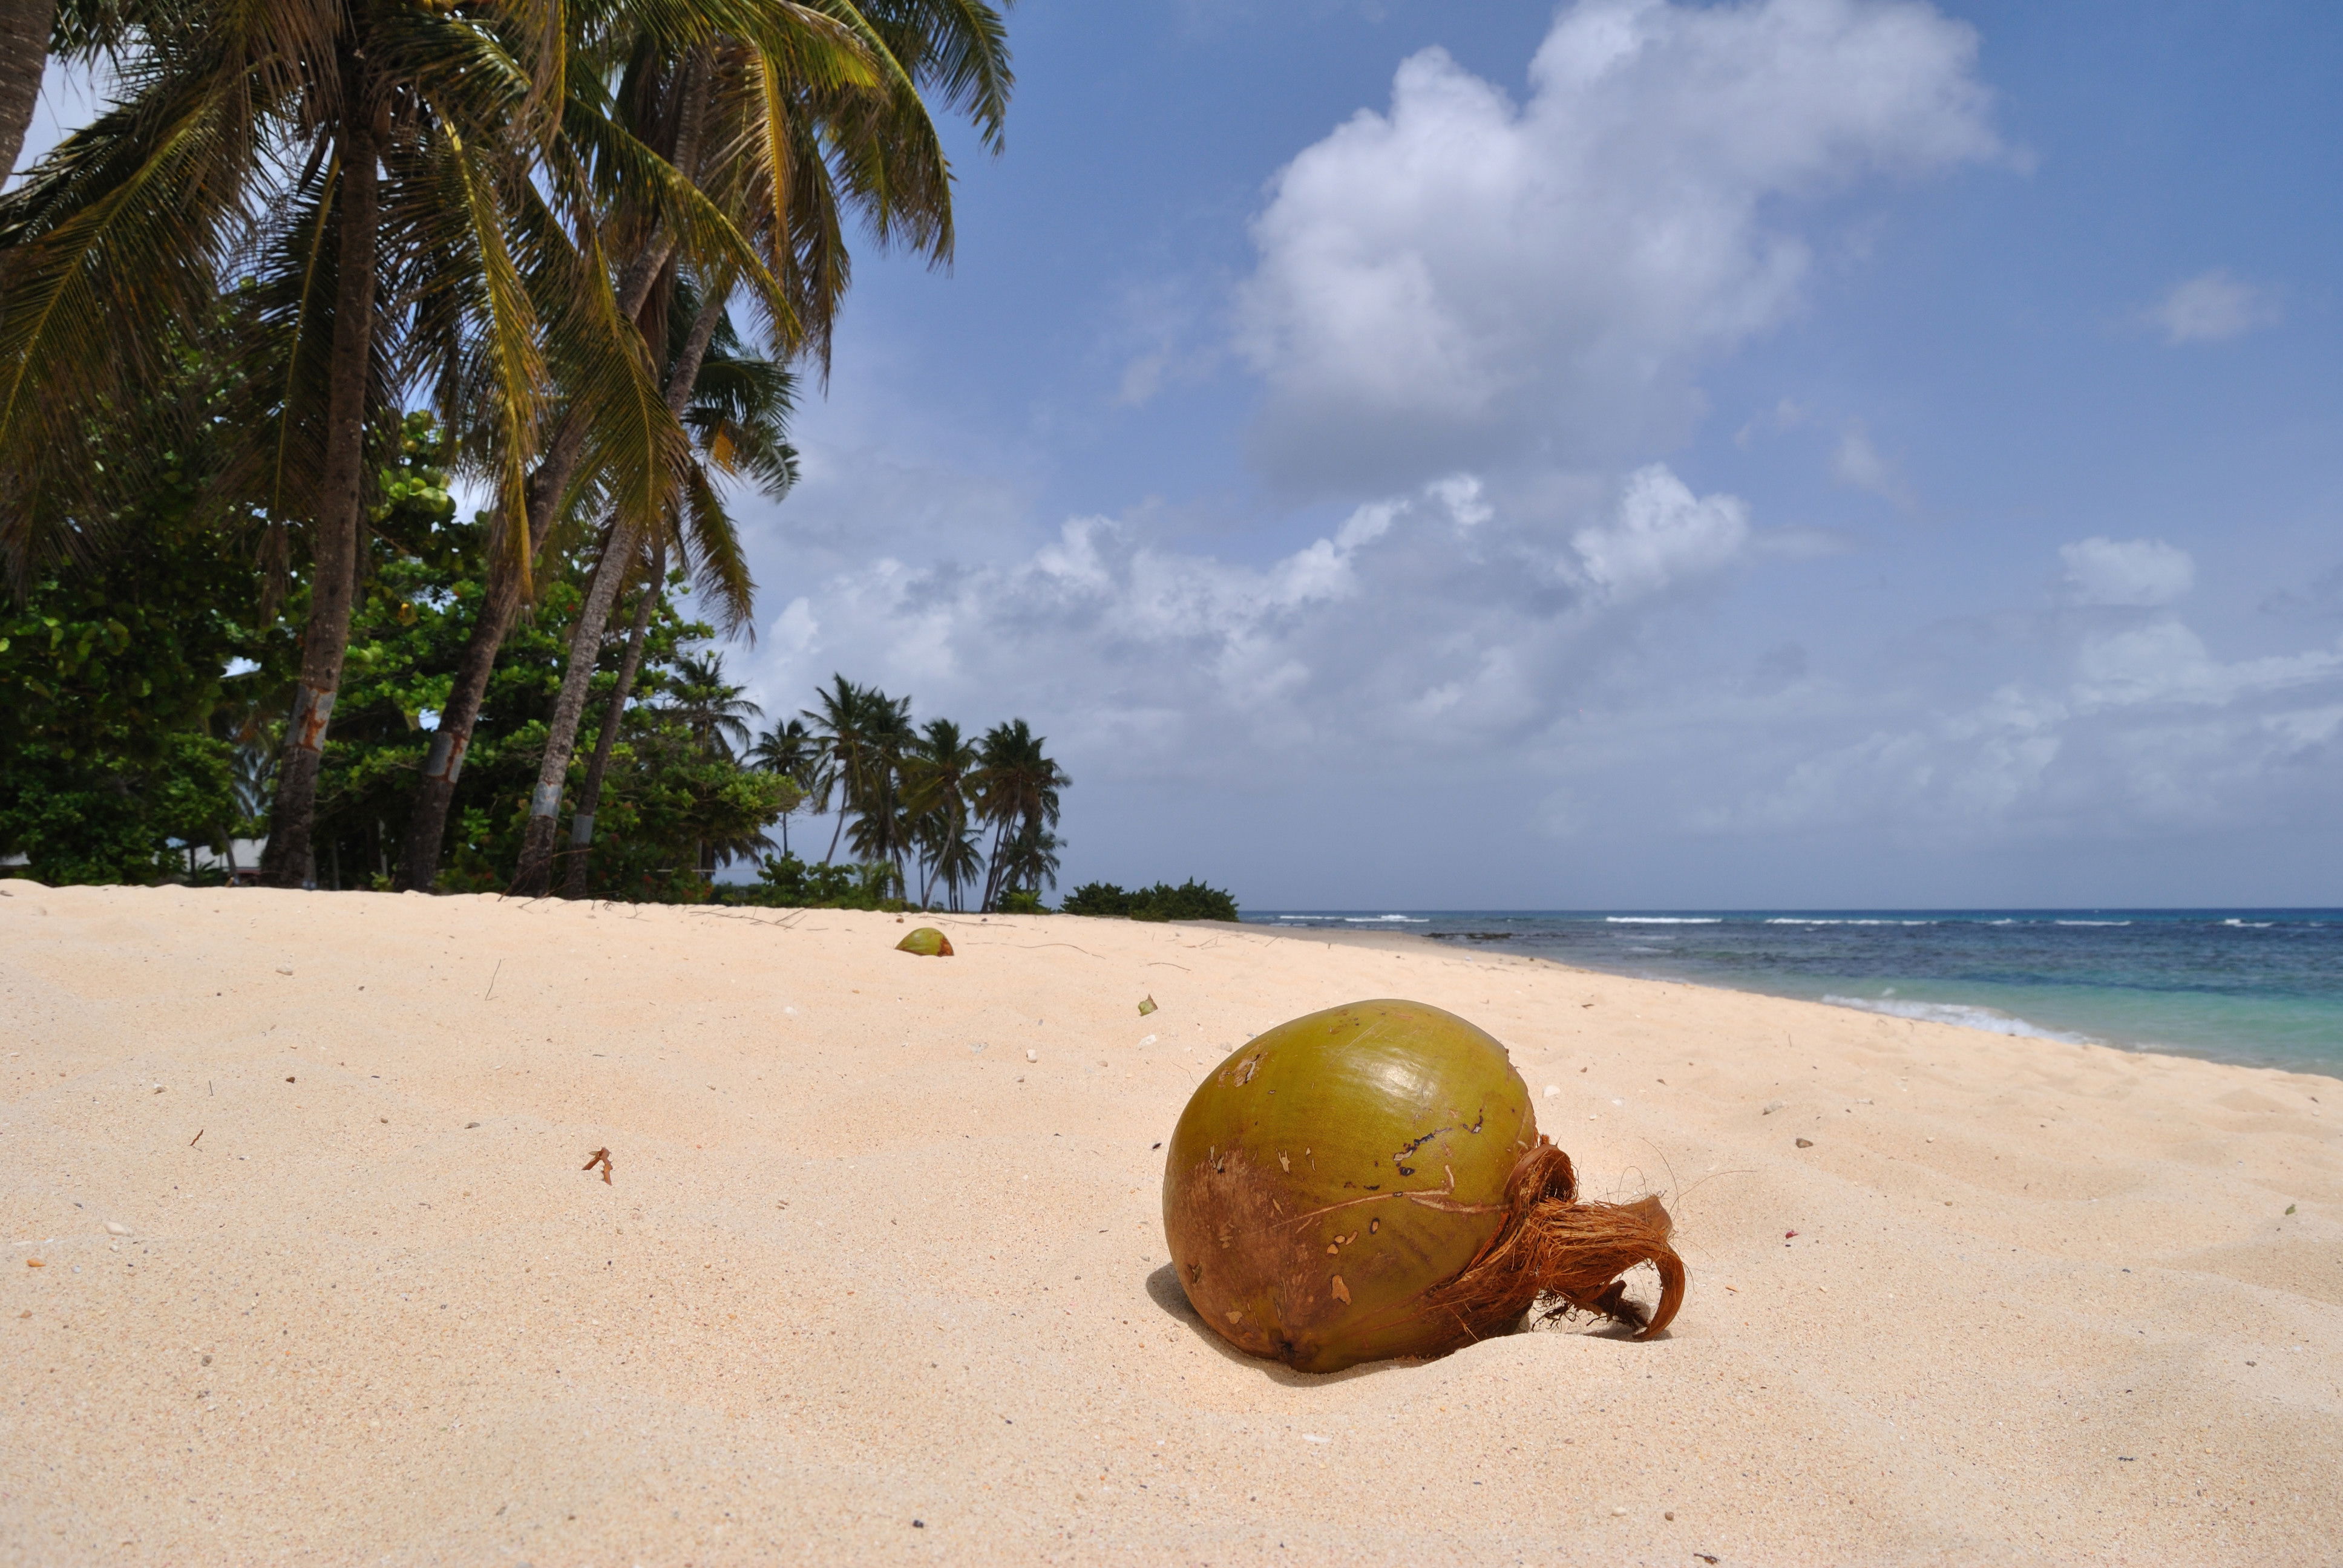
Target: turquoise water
(2258, 986)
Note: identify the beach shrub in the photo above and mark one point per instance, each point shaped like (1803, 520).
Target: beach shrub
(786, 882)
(1191, 900)
(1022, 902)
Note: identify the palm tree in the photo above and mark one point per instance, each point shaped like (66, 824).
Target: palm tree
(788, 140)
(882, 821)
(742, 414)
(936, 772)
(1030, 858)
(862, 732)
(589, 793)
(714, 710)
(790, 749)
(1016, 787)
(396, 181)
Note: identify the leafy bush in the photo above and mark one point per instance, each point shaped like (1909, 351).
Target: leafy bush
(786, 882)
(1022, 902)
(1191, 900)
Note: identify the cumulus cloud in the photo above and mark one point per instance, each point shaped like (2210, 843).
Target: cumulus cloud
(1435, 605)
(2135, 727)
(1662, 533)
(1463, 279)
(2138, 572)
(2212, 307)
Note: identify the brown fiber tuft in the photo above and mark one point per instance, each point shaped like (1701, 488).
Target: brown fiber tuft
(1553, 1247)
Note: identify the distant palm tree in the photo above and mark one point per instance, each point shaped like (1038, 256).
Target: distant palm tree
(712, 709)
(959, 862)
(793, 751)
(937, 768)
(252, 783)
(1030, 858)
(863, 732)
(881, 833)
(1016, 791)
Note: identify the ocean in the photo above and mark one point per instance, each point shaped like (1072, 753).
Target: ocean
(2262, 987)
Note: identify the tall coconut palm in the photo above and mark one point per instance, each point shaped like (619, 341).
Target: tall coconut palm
(1016, 791)
(790, 749)
(738, 420)
(937, 768)
(737, 409)
(793, 138)
(630, 664)
(882, 832)
(618, 560)
(1029, 860)
(861, 729)
(395, 179)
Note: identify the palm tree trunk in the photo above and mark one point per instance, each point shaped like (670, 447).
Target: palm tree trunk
(533, 878)
(24, 27)
(994, 866)
(334, 546)
(589, 795)
(427, 824)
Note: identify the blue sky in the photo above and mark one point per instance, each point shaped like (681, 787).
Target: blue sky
(1787, 453)
(1812, 452)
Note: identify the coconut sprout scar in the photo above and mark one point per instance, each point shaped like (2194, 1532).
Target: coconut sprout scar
(1369, 1181)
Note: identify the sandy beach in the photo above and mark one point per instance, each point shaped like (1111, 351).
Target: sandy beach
(878, 1273)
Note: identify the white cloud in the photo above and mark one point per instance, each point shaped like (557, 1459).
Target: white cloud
(1860, 465)
(2129, 728)
(2212, 307)
(1663, 533)
(1434, 613)
(2139, 572)
(1463, 280)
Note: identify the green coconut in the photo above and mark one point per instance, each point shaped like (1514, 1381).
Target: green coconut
(928, 942)
(1369, 1182)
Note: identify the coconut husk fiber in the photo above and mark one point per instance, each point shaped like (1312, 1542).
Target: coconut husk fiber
(1551, 1248)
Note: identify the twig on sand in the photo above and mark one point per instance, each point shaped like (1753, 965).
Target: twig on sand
(601, 1157)
(492, 979)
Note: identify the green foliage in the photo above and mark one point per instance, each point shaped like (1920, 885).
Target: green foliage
(1022, 902)
(117, 735)
(125, 739)
(1191, 900)
(786, 882)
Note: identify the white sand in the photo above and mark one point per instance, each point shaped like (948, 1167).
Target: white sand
(2043, 1302)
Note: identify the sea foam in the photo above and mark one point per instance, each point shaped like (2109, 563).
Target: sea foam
(1665, 920)
(1961, 1015)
